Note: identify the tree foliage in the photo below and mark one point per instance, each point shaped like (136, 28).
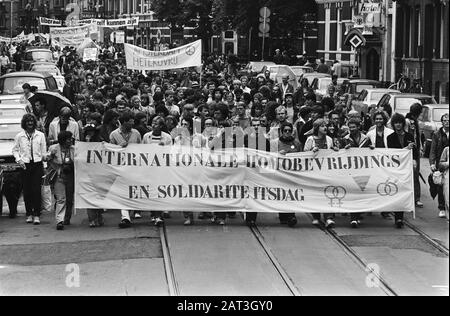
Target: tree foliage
(287, 15)
(179, 13)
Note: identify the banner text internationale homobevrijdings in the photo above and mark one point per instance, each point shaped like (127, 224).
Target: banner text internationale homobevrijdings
(151, 177)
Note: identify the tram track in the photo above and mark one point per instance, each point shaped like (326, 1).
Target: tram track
(168, 263)
(382, 283)
(427, 238)
(284, 276)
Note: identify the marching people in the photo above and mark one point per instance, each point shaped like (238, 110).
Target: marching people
(412, 127)
(61, 160)
(63, 123)
(286, 144)
(319, 141)
(379, 133)
(255, 110)
(444, 166)
(123, 136)
(29, 151)
(401, 139)
(157, 136)
(356, 139)
(438, 143)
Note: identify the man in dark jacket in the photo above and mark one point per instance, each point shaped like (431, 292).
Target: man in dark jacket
(401, 139)
(439, 142)
(412, 127)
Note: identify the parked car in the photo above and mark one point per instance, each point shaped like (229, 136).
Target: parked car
(278, 71)
(401, 102)
(37, 54)
(51, 68)
(299, 71)
(320, 86)
(372, 96)
(355, 86)
(10, 126)
(254, 67)
(430, 123)
(312, 75)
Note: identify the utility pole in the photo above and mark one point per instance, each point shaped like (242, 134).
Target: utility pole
(11, 32)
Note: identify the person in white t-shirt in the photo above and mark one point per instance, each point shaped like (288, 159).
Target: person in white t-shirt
(157, 136)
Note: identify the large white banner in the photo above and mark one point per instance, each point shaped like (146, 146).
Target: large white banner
(73, 36)
(189, 55)
(152, 177)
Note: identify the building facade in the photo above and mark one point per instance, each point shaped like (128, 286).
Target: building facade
(423, 53)
(369, 54)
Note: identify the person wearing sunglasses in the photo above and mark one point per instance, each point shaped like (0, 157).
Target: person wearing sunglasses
(286, 143)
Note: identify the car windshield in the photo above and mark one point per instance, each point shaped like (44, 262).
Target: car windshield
(402, 105)
(13, 85)
(376, 96)
(301, 71)
(324, 83)
(54, 71)
(39, 55)
(9, 131)
(257, 67)
(437, 113)
(361, 87)
(10, 120)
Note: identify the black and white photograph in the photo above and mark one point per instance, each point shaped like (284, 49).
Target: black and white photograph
(224, 154)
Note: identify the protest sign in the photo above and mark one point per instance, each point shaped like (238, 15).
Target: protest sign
(152, 177)
(50, 22)
(189, 55)
(90, 54)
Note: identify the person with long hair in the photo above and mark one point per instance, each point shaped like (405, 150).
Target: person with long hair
(29, 151)
(320, 141)
(401, 139)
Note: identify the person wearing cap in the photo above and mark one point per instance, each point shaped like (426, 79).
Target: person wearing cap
(63, 123)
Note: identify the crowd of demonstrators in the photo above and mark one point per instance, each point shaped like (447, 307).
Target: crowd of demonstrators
(219, 108)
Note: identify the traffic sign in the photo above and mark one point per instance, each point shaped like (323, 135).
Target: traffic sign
(356, 41)
(264, 28)
(263, 34)
(261, 19)
(264, 12)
